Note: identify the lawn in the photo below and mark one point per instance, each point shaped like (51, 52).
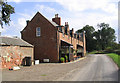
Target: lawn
(115, 57)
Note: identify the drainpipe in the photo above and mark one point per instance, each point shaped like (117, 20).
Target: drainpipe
(59, 46)
(84, 44)
(69, 54)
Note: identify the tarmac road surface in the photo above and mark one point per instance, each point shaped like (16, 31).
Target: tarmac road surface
(99, 68)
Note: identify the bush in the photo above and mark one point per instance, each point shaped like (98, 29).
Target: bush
(66, 57)
(62, 59)
(109, 50)
(97, 52)
(117, 52)
(93, 52)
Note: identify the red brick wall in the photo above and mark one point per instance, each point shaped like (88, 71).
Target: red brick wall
(84, 46)
(45, 46)
(14, 55)
(57, 19)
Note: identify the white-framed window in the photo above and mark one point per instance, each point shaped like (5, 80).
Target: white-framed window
(38, 32)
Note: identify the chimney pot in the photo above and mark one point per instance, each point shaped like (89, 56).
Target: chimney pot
(66, 23)
(72, 29)
(56, 15)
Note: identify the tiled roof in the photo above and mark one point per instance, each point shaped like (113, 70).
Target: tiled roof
(53, 23)
(13, 41)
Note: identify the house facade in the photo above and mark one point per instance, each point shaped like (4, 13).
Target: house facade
(51, 40)
(15, 52)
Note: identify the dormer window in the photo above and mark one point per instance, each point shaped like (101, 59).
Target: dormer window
(38, 32)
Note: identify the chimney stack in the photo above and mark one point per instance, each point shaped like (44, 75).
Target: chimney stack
(73, 30)
(56, 15)
(57, 20)
(27, 22)
(66, 23)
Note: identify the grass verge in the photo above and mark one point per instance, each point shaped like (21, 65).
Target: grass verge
(96, 52)
(115, 57)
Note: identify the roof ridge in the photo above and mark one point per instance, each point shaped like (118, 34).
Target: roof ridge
(14, 41)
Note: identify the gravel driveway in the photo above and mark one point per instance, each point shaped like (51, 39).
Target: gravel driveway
(42, 72)
(92, 68)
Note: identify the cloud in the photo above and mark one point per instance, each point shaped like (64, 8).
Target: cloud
(82, 5)
(31, 1)
(78, 12)
(10, 30)
(22, 22)
(16, 1)
(82, 12)
(2, 29)
(18, 25)
(43, 8)
(28, 16)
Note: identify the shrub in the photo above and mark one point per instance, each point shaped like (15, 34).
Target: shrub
(93, 52)
(109, 49)
(66, 57)
(74, 51)
(62, 59)
(117, 52)
(97, 52)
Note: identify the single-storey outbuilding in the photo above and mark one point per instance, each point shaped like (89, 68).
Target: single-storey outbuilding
(15, 52)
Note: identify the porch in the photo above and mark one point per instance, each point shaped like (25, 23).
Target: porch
(66, 51)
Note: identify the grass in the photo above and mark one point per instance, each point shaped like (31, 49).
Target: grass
(115, 57)
(93, 52)
(96, 52)
(43, 75)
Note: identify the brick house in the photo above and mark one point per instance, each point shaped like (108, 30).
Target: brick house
(52, 40)
(15, 52)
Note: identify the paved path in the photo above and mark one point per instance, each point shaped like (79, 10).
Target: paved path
(98, 68)
(92, 68)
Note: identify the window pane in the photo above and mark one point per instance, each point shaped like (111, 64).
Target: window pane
(38, 31)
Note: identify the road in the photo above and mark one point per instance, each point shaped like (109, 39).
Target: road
(92, 68)
(99, 68)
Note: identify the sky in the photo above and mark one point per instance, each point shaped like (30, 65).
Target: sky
(77, 13)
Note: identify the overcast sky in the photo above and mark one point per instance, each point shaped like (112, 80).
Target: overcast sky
(77, 13)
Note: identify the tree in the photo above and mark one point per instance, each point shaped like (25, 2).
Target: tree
(6, 12)
(115, 46)
(90, 42)
(105, 35)
(99, 40)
